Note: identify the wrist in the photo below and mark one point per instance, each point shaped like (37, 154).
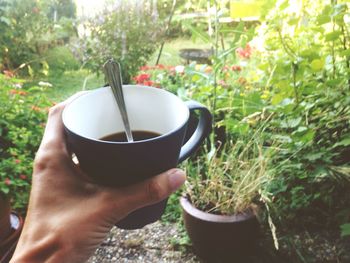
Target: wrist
(42, 246)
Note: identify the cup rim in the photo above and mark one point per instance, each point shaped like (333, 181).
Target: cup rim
(123, 143)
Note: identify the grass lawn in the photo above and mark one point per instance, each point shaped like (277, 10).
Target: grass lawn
(66, 84)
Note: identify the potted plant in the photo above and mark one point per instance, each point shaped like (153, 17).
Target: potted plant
(10, 228)
(219, 206)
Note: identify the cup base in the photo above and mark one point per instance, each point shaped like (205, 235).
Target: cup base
(143, 216)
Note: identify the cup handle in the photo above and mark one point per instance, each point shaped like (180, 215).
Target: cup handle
(201, 132)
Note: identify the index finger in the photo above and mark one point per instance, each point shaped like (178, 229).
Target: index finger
(54, 131)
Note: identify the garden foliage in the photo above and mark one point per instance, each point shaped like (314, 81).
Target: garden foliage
(294, 69)
(23, 116)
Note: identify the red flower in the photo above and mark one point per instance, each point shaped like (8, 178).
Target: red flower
(160, 66)
(17, 161)
(18, 92)
(35, 108)
(244, 53)
(9, 73)
(236, 68)
(21, 92)
(144, 68)
(222, 83)
(36, 10)
(23, 176)
(7, 181)
(148, 83)
(140, 79)
(225, 68)
(242, 81)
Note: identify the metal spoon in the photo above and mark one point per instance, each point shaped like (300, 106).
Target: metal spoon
(114, 77)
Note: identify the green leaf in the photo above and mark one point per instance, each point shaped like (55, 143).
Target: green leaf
(308, 136)
(313, 156)
(5, 20)
(320, 173)
(333, 82)
(345, 230)
(333, 36)
(323, 19)
(284, 5)
(317, 65)
(277, 99)
(343, 142)
(345, 53)
(293, 21)
(291, 123)
(30, 71)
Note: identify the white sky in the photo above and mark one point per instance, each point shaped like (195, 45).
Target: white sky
(89, 7)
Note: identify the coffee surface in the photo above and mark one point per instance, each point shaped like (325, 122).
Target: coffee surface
(137, 135)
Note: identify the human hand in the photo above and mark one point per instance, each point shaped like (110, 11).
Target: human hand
(68, 217)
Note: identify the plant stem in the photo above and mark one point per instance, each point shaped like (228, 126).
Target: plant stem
(294, 72)
(285, 46)
(347, 58)
(334, 2)
(216, 49)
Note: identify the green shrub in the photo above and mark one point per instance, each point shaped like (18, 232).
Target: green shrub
(23, 116)
(305, 74)
(126, 32)
(28, 32)
(60, 59)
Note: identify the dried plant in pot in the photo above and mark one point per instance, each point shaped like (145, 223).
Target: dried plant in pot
(219, 209)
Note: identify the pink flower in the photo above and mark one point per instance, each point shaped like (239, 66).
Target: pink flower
(7, 181)
(17, 161)
(23, 176)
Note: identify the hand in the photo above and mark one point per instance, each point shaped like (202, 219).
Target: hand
(68, 217)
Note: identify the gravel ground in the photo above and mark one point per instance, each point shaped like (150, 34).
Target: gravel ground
(150, 244)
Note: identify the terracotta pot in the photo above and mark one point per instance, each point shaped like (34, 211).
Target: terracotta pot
(8, 245)
(221, 238)
(5, 224)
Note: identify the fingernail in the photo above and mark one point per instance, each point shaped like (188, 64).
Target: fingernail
(176, 178)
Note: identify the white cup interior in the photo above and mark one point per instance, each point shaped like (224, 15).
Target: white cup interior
(95, 115)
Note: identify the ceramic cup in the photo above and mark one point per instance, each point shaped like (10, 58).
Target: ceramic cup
(95, 115)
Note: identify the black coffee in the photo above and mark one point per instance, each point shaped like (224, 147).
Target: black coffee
(137, 135)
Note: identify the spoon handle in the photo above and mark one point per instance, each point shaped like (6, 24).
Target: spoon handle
(114, 77)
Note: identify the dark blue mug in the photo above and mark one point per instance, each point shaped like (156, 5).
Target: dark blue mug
(95, 115)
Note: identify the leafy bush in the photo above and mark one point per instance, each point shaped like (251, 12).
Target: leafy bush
(126, 32)
(60, 59)
(306, 72)
(23, 115)
(27, 32)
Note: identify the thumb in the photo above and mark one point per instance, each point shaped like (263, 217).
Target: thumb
(153, 190)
